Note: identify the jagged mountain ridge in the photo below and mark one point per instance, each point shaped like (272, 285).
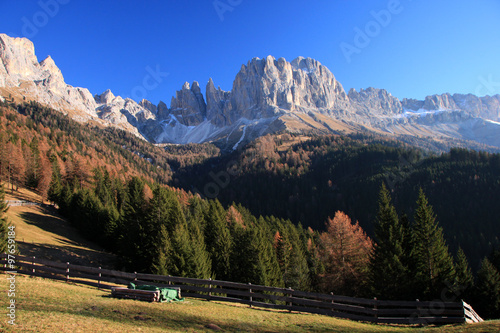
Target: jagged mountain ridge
(267, 96)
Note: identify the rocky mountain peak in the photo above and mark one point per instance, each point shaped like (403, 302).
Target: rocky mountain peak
(373, 101)
(148, 105)
(267, 95)
(188, 105)
(218, 106)
(439, 102)
(18, 60)
(52, 74)
(106, 97)
(267, 88)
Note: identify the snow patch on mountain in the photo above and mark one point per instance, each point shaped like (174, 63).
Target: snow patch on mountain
(241, 139)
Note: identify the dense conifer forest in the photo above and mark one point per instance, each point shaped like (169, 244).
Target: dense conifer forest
(308, 181)
(278, 213)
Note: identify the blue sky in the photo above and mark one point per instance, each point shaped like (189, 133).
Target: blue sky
(411, 48)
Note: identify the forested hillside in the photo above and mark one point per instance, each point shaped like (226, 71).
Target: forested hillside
(112, 187)
(309, 181)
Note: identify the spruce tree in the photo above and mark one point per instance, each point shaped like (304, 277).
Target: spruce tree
(201, 263)
(155, 225)
(161, 261)
(55, 187)
(292, 257)
(3, 221)
(131, 225)
(388, 270)
(464, 280)
(495, 258)
(432, 263)
(181, 251)
(33, 172)
(488, 291)
(254, 260)
(218, 240)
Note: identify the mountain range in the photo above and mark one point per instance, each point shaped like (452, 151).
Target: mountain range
(268, 96)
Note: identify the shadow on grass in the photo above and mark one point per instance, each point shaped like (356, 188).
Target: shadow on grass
(168, 318)
(71, 254)
(71, 247)
(47, 219)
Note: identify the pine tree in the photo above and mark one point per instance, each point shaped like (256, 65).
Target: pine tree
(345, 252)
(253, 259)
(201, 263)
(3, 221)
(488, 291)
(218, 240)
(34, 169)
(464, 280)
(131, 224)
(181, 252)
(388, 272)
(296, 271)
(155, 226)
(432, 263)
(55, 187)
(495, 258)
(161, 261)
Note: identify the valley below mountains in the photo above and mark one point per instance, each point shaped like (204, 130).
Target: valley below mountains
(268, 96)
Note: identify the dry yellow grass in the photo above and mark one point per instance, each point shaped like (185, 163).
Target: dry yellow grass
(41, 232)
(52, 306)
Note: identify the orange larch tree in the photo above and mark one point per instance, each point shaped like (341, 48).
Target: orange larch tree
(345, 252)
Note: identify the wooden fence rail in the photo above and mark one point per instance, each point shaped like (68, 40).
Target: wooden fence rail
(370, 310)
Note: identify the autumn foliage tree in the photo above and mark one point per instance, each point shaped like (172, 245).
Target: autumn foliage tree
(345, 251)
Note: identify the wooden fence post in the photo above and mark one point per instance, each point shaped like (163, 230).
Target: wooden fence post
(67, 271)
(290, 304)
(333, 302)
(169, 281)
(99, 281)
(135, 278)
(418, 310)
(250, 290)
(375, 308)
(210, 287)
(33, 263)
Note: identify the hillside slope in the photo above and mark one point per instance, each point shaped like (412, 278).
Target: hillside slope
(42, 232)
(50, 306)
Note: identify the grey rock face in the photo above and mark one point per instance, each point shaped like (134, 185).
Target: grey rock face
(412, 104)
(269, 87)
(439, 102)
(487, 107)
(188, 105)
(373, 101)
(18, 60)
(20, 68)
(148, 106)
(218, 105)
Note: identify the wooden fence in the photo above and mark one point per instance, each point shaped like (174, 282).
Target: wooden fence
(362, 309)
